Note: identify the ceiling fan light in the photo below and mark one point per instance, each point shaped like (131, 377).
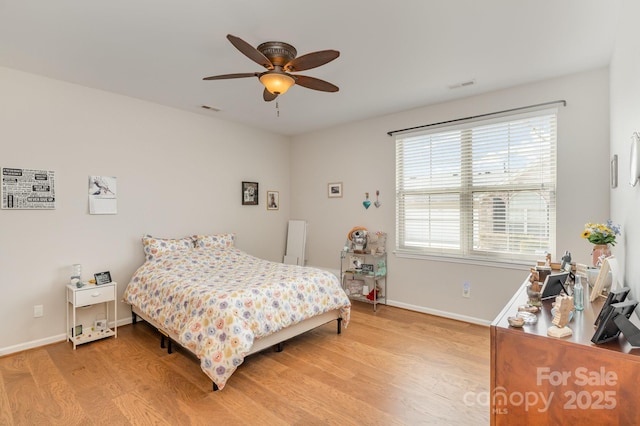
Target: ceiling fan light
(277, 83)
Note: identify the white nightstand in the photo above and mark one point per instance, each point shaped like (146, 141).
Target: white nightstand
(87, 296)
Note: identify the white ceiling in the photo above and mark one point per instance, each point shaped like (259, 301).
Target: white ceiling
(395, 55)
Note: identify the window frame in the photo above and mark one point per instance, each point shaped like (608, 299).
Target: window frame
(466, 253)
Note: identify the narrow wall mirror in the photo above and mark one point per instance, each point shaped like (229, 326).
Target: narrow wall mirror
(634, 160)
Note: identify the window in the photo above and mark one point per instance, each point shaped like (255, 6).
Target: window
(482, 189)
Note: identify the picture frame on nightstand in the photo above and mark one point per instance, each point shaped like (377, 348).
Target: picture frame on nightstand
(102, 277)
(76, 331)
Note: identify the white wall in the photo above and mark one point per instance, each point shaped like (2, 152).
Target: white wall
(625, 119)
(362, 156)
(178, 174)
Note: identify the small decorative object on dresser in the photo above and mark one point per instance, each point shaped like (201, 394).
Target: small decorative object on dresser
(563, 307)
(602, 236)
(599, 253)
(533, 289)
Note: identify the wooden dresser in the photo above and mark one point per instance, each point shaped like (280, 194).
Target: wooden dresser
(536, 379)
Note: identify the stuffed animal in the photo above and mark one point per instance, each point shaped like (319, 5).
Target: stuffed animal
(358, 238)
(373, 294)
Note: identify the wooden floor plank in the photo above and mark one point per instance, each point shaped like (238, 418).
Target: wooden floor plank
(389, 367)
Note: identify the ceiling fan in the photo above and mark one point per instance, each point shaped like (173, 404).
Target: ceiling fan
(280, 60)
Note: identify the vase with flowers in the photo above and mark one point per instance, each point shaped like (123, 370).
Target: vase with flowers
(602, 236)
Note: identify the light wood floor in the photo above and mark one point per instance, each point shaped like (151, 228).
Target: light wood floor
(390, 367)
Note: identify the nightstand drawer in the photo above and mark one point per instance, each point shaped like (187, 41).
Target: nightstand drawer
(94, 295)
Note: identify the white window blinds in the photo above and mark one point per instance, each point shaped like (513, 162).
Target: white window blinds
(483, 189)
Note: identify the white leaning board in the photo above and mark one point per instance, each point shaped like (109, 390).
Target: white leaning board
(296, 242)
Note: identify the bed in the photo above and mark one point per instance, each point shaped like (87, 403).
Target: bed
(223, 304)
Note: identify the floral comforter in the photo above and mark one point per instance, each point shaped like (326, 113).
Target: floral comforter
(219, 300)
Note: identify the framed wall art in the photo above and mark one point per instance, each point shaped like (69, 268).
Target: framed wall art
(102, 195)
(273, 200)
(28, 189)
(334, 190)
(249, 193)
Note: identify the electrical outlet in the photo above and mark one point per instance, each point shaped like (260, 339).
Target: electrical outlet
(466, 289)
(38, 311)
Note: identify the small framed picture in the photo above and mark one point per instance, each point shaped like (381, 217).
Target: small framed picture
(100, 325)
(249, 193)
(355, 263)
(367, 267)
(273, 200)
(102, 277)
(335, 190)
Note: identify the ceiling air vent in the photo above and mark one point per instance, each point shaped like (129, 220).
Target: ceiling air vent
(462, 84)
(210, 108)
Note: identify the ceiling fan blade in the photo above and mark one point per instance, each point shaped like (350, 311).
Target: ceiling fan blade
(225, 76)
(315, 83)
(311, 60)
(250, 52)
(268, 96)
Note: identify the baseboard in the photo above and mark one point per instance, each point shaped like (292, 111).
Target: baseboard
(438, 313)
(32, 344)
(422, 309)
(47, 341)
(127, 320)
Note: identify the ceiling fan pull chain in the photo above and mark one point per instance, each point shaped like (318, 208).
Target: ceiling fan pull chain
(277, 109)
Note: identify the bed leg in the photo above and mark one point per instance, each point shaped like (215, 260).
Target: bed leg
(169, 348)
(215, 387)
(339, 325)
(134, 318)
(162, 337)
(279, 347)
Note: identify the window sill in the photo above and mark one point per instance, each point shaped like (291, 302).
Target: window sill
(493, 263)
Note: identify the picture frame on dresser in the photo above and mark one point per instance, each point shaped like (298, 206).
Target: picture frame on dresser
(603, 275)
(608, 329)
(554, 285)
(614, 296)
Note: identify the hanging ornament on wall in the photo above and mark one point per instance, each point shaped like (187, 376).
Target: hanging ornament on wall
(377, 203)
(366, 203)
